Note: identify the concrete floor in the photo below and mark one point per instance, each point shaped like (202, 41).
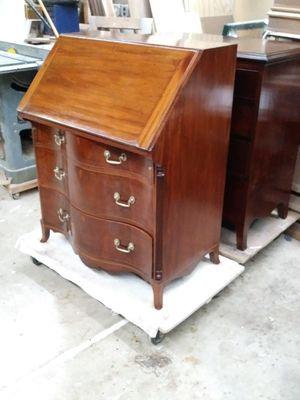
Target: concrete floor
(58, 343)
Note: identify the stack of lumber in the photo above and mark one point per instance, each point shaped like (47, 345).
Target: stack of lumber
(103, 16)
(284, 17)
(102, 7)
(167, 16)
(213, 14)
(209, 8)
(174, 16)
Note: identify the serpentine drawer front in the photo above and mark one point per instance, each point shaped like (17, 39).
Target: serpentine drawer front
(131, 145)
(118, 197)
(113, 160)
(113, 244)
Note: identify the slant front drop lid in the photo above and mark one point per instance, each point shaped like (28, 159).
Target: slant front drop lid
(109, 89)
(131, 144)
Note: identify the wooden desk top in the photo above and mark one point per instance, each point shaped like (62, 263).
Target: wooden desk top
(248, 48)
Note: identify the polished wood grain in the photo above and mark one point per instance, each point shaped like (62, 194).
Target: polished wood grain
(199, 132)
(110, 98)
(51, 202)
(94, 242)
(142, 121)
(52, 169)
(45, 136)
(93, 193)
(91, 154)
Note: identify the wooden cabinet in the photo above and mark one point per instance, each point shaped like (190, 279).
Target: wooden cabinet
(131, 144)
(265, 133)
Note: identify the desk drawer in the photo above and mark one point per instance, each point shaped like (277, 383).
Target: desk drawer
(111, 159)
(243, 120)
(111, 196)
(247, 84)
(46, 136)
(235, 199)
(55, 210)
(239, 157)
(51, 169)
(101, 242)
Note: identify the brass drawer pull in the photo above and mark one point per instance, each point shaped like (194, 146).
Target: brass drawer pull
(59, 138)
(122, 249)
(127, 204)
(59, 173)
(63, 216)
(122, 158)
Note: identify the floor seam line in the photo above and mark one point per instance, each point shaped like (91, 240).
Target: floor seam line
(70, 353)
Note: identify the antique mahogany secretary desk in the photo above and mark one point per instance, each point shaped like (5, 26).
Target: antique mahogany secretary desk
(265, 126)
(131, 144)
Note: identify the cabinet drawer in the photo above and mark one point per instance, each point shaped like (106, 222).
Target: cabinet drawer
(100, 242)
(239, 157)
(49, 137)
(247, 84)
(55, 210)
(235, 199)
(111, 159)
(111, 196)
(51, 169)
(243, 120)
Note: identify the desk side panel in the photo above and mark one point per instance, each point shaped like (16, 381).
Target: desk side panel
(193, 153)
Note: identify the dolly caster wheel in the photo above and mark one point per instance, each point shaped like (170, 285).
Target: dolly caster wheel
(158, 338)
(288, 238)
(15, 196)
(35, 261)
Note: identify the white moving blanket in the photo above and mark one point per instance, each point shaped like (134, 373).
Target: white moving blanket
(128, 295)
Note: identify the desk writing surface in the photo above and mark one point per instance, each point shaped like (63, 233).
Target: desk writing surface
(116, 90)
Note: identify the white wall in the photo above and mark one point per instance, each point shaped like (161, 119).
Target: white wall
(241, 9)
(251, 9)
(13, 25)
(211, 8)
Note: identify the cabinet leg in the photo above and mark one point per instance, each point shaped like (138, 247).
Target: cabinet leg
(241, 236)
(158, 289)
(282, 210)
(214, 256)
(45, 233)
